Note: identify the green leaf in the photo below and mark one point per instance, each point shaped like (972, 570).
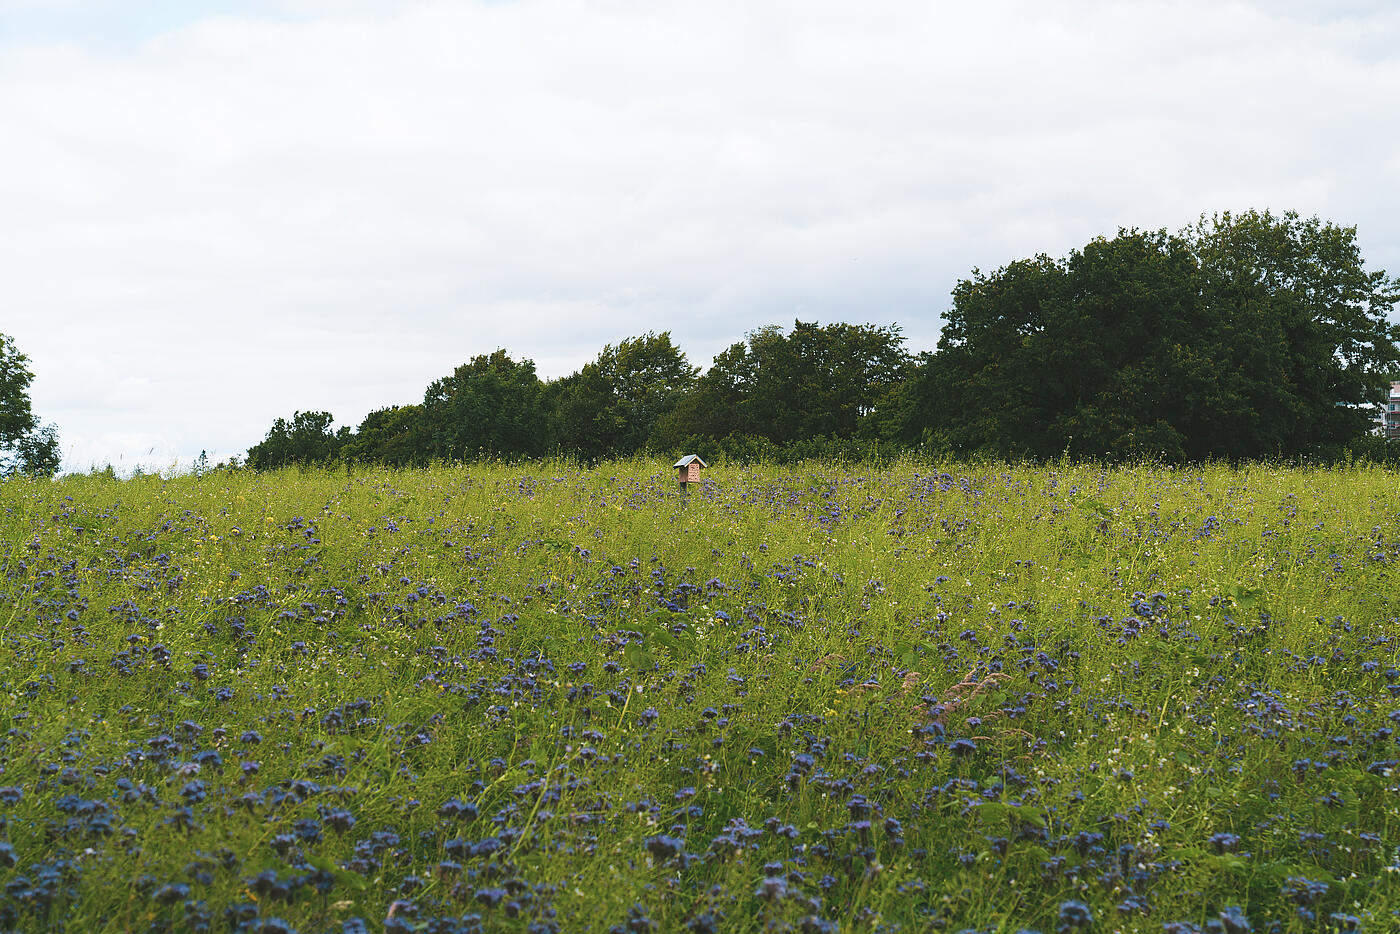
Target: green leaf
(991, 810)
(1032, 815)
(1245, 597)
(323, 863)
(1037, 853)
(348, 877)
(1278, 871)
(638, 657)
(1096, 507)
(1227, 861)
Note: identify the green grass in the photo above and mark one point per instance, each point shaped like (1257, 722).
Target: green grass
(803, 698)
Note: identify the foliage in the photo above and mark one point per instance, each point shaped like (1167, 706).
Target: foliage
(545, 698)
(613, 404)
(490, 406)
(393, 437)
(307, 439)
(26, 447)
(16, 418)
(1247, 336)
(738, 449)
(36, 453)
(1308, 279)
(813, 382)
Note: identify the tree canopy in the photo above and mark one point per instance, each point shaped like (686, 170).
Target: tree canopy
(614, 403)
(490, 406)
(26, 446)
(811, 382)
(307, 439)
(395, 436)
(1245, 336)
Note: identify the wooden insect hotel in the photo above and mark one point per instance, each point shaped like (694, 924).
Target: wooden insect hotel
(688, 469)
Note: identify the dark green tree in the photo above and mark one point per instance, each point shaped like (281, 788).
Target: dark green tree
(307, 439)
(26, 447)
(575, 408)
(613, 404)
(490, 406)
(823, 381)
(394, 437)
(812, 382)
(977, 390)
(1245, 336)
(1302, 286)
(714, 407)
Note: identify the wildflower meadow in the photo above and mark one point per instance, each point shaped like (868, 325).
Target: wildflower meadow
(815, 698)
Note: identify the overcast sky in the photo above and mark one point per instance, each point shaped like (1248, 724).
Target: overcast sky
(216, 213)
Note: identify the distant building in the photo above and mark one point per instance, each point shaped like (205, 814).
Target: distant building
(1388, 424)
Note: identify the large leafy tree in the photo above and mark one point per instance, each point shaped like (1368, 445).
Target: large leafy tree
(394, 436)
(490, 406)
(613, 404)
(1302, 286)
(26, 447)
(307, 439)
(813, 381)
(1244, 336)
(822, 381)
(715, 405)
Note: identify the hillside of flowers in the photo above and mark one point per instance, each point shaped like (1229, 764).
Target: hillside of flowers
(818, 698)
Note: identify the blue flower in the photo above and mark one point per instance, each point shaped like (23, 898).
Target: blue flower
(663, 846)
(1074, 914)
(1233, 920)
(772, 888)
(1224, 842)
(171, 893)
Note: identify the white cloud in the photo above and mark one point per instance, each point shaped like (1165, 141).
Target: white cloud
(218, 219)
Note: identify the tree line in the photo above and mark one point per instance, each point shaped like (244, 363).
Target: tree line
(763, 394)
(1244, 336)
